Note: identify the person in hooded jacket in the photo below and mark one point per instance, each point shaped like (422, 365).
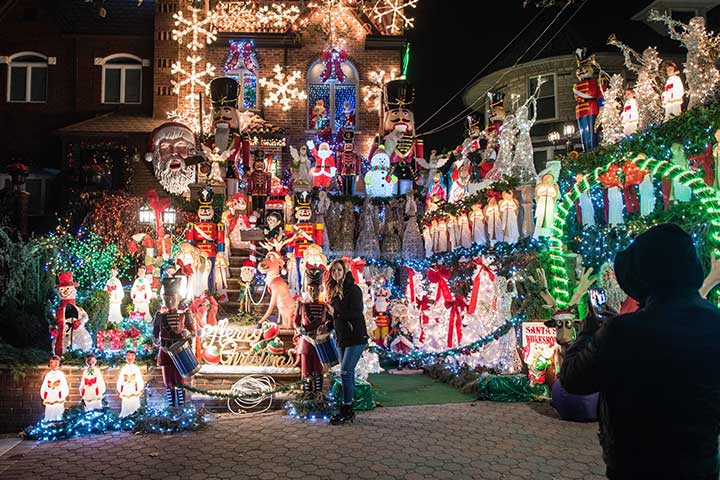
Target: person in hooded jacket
(345, 304)
(656, 368)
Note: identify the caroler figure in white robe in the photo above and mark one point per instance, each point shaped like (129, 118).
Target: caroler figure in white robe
(428, 240)
(494, 222)
(509, 208)
(115, 290)
(130, 386)
(477, 218)
(615, 206)
(54, 391)
(587, 209)
(680, 192)
(546, 194)
(92, 385)
(465, 233)
(442, 236)
(647, 196)
(434, 230)
(452, 231)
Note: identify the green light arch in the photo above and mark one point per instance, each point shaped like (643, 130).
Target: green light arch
(659, 169)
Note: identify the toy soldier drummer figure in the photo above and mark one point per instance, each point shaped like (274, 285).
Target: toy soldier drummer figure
(169, 327)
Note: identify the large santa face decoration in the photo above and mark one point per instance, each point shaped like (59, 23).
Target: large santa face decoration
(399, 96)
(172, 144)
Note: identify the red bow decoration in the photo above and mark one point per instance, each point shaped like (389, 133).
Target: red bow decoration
(357, 266)
(609, 179)
(456, 307)
(440, 275)
(633, 174)
(76, 324)
(476, 283)
(111, 288)
(423, 303)
(90, 381)
(493, 194)
(158, 205)
(185, 269)
(411, 283)
(333, 61)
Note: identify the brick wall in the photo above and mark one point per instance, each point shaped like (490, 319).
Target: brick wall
(165, 53)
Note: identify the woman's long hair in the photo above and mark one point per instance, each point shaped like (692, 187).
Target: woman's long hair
(334, 288)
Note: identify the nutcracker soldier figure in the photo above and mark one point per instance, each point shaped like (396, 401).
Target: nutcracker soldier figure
(169, 327)
(349, 163)
(259, 183)
(588, 98)
(324, 170)
(303, 232)
(207, 235)
(311, 316)
(399, 126)
(229, 124)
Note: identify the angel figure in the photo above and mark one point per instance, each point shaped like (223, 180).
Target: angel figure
(435, 163)
(216, 158)
(301, 169)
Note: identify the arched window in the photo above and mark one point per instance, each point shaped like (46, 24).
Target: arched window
(248, 87)
(332, 103)
(121, 78)
(27, 78)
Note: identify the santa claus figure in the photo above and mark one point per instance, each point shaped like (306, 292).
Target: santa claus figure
(324, 170)
(674, 93)
(54, 391)
(229, 125)
(206, 235)
(588, 97)
(399, 126)
(172, 152)
(70, 318)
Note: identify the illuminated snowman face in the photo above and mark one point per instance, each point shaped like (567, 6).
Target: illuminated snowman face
(380, 159)
(67, 293)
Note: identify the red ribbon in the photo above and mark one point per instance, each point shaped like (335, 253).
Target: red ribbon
(423, 304)
(411, 282)
(333, 60)
(158, 205)
(456, 307)
(476, 283)
(440, 275)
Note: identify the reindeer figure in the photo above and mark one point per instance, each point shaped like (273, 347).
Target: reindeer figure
(563, 320)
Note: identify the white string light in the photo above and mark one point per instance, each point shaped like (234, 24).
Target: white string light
(282, 88)
(372, 94)
(392, 15)
(195, 31)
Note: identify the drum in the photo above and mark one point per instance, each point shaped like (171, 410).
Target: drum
(184, 359)
(326, 350)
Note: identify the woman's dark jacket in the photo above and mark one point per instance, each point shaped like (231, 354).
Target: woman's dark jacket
(348, 318)
(656, 369)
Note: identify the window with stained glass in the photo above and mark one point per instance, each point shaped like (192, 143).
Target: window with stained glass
(332, 103)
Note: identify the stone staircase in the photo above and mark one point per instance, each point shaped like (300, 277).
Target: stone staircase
(237, 257)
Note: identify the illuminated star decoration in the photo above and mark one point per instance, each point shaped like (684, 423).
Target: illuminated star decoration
(373, 93)
(391, 14)
(282, 89)
(196, 32)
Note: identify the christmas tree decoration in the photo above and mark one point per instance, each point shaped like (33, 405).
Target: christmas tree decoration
(368, 243)
(609, 117)
(130, 385)
(322, 207)
(647, 89)
(702, 46)
(391, 244)
(92, 384)
(194, 31)
(588, 96)
(412, 241)
(54, 391)
(282, 88)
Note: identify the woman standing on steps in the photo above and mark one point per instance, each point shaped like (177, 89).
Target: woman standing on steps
(345, 304)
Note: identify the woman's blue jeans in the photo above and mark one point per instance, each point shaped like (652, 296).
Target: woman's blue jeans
(349, 358)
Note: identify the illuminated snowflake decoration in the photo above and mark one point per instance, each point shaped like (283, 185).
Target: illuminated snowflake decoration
(282, 88)
(196, 32)
(247, 16)
(192, 79)
(372, 94)
(392, 15)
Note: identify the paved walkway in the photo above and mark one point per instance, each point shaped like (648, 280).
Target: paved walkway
(457, 441)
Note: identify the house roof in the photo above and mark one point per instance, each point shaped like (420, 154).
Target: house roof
(110, 123)
(260, 126)
(124, 17)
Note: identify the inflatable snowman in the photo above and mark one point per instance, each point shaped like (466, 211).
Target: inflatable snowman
(379, 180)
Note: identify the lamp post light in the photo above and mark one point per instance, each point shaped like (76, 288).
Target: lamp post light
(146, 216)
(169, 217)
(568, 133)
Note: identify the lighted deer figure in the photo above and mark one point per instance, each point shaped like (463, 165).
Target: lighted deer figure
(563, 320)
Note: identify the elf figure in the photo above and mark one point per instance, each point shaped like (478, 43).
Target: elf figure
(141, 294)
(54, 391)
(247, 279)
(171, 326)
(311, 320)
(259, 184)
(349, 163)
(304, 232)
(324, 170)
(588, 98)
(116, 292)
(71, 319)
(674, 93)
(92, 384)
(207, 235)
(399, 127)
(629, 116)
(130, 385)
(381, 311)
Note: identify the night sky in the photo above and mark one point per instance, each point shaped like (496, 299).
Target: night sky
(450, 44)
